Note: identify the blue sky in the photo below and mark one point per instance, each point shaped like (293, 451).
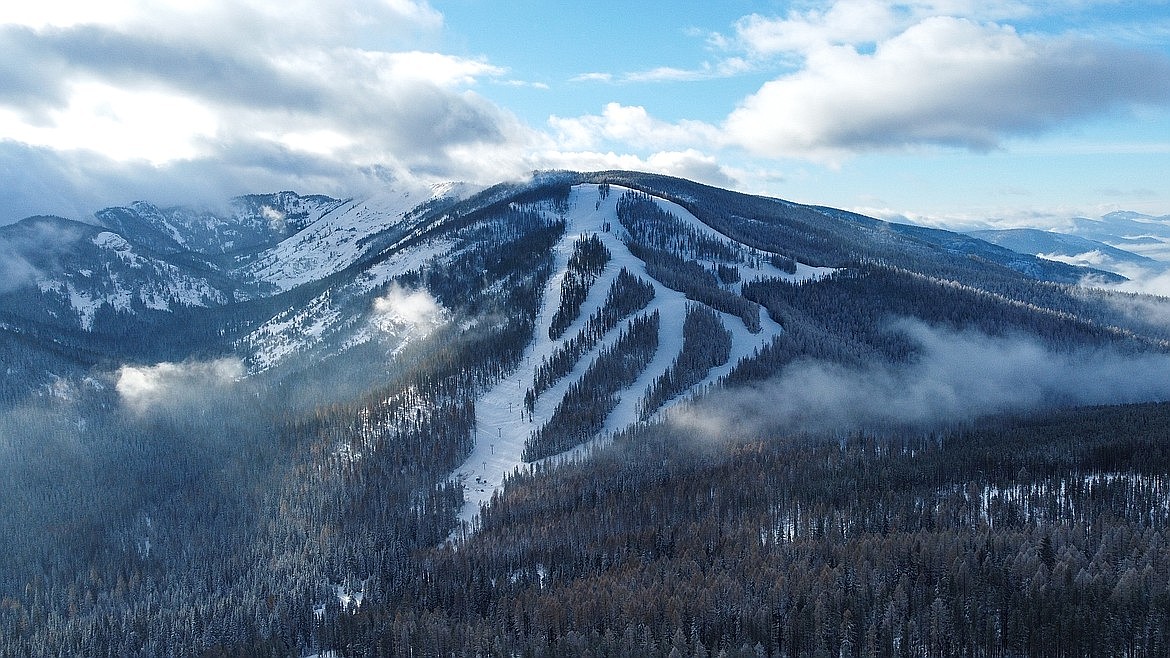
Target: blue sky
(945, 112)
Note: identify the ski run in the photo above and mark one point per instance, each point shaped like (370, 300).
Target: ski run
(502, 423)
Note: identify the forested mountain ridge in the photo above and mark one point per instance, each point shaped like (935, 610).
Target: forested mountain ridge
(275, 431)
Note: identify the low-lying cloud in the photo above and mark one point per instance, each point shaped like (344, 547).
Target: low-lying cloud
(957, 378)
(401, 308)
(33, 250)
(164, 386)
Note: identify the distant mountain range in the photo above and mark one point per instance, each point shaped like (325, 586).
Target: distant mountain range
(144, 283)
(1125, 243)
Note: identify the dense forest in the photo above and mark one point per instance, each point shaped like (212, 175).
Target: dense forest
(669, 247)
(312, 507)
(1022, 536)
(626, 295)
(241, 517)
(1019, 536)
(581, 413)
(706, 344)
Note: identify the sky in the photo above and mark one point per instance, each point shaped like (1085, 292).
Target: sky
(955, 113)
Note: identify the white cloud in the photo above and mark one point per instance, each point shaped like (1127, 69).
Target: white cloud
(413, 310)
(875, 75)
(957, 377)
(124, 124)
(437, 68)
(631, 126)
(943, 80)
(849, 22)
(688, 163)
(858, 23)
(67, 13)
(1153, 281)
(265, 91)
(180, 101)
(166, 385)
(693, 165)
(593, 76)
(722, 68)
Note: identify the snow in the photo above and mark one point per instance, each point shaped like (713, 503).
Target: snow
(338, 238)
(502, 427)
(298, 330)
(112, 241)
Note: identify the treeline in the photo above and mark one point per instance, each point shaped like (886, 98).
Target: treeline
(697, 283)
(588, 259)
(648, 224)
(1022, 537)
(706, 344)
(627, 294)
(581, 413)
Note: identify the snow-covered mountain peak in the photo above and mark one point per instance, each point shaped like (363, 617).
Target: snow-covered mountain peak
(340, 237)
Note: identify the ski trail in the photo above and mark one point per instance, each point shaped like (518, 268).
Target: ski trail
(502, 426)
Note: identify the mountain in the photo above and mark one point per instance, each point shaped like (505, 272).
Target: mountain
(1073, 249)
(1142, 234)
(306, 424)
(282, 273)
(254, 222)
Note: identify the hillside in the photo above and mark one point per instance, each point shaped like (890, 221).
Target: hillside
(384, 424)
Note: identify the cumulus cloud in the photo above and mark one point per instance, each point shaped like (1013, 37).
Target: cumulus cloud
(874, 75)
(944, 80)
(958, 377)
(693, 165)
(630, 125)
(165, 386)
(182, 102)
(688, 163)
(265, 92)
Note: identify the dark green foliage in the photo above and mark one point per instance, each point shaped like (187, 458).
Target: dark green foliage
(581, 414)
(627, 295)
(728, 274)
(783, 263)
(658, 238)
(706, 344)
(697, 283)
(649, 225)
(588, 259)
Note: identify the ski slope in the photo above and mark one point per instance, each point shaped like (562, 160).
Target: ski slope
(503, 426)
